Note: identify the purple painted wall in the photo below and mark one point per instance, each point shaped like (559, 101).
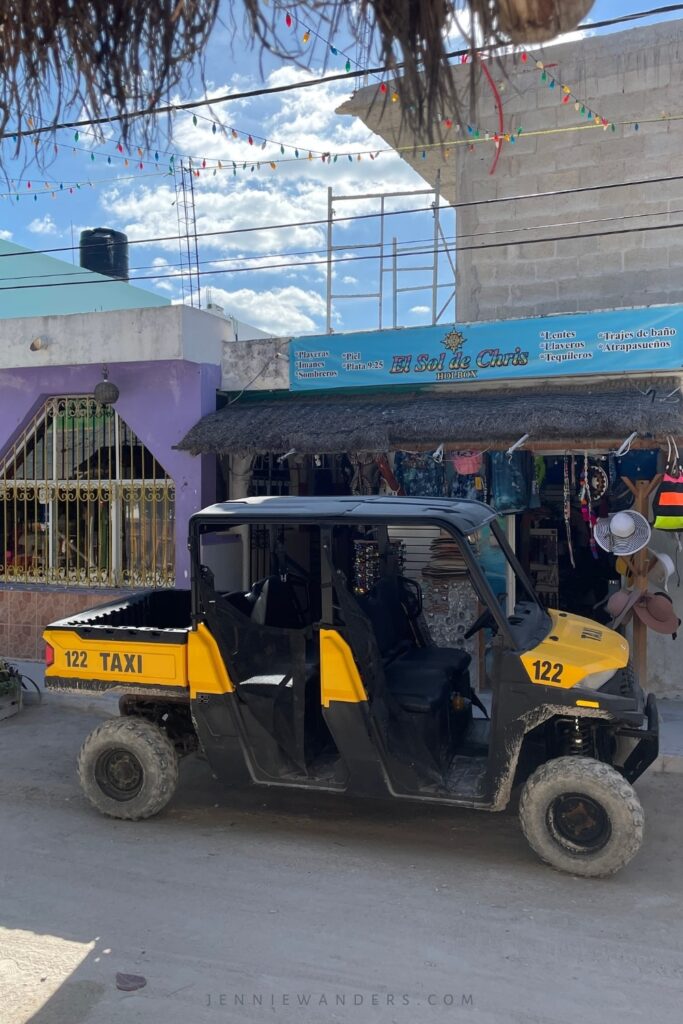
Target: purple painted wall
(159, 401)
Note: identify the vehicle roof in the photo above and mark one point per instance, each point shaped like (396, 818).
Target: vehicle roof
(465, 515)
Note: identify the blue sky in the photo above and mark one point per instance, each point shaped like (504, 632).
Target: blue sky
(285, 300)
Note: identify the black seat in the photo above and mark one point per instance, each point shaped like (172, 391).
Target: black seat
(421, 678)
(276, 604)
(415, 688)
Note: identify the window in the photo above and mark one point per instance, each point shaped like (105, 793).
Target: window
(84, 503)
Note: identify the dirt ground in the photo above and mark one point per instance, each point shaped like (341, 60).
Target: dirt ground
(294, 907)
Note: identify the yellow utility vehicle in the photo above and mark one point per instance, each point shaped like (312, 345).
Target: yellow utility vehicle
(285, 675)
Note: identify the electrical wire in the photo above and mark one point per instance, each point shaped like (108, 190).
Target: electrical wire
(352, 259)
(578, 190)
(385, 249)
(172, 108)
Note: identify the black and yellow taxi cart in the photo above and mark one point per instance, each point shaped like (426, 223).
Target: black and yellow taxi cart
(284, 675)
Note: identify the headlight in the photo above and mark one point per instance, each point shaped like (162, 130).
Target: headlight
(597, 679)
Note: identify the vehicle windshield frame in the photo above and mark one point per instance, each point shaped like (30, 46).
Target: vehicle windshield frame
(480, 583)
(544, 621)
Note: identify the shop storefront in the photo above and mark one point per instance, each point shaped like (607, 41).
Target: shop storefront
(533, 433)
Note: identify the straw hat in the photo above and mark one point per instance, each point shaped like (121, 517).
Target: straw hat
(662, 570)
(620, 606)
(623, 533)
(657, 612)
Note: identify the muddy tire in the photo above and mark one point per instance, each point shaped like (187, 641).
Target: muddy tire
(128, 768)
(581, 816)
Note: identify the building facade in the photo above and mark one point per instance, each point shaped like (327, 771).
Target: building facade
(95, 497)
(566, 214)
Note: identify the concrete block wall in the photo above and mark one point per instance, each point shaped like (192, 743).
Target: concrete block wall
(636, 76)
(628, 76)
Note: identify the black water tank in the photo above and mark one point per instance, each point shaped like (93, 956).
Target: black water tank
(105, 251)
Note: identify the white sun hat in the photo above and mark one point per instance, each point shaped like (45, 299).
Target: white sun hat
(663, 569)
(623, 533)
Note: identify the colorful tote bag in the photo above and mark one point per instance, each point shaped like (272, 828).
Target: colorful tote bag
(667, 506)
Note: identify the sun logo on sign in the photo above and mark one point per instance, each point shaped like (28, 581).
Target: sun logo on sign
(454, 341)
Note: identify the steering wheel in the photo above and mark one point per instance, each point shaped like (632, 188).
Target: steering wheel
(485, 621)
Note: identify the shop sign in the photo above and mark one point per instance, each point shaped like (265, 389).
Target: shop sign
(620, 341)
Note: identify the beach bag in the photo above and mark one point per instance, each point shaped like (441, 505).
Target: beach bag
(467, 463)
(511, 480)
(667, 506)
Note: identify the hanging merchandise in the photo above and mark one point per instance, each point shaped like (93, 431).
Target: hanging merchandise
(537, 482)
(446, 559)
(640, 464)
(367, 563)
(663, 569)
(567, 510)
(366, 476)
(419, 474)
(623, 533)
(510, 480)
(466, 463)
(620, 606)
(468, 476)
(589, 516)
(667, 506)
(657, 612)
(387, 474)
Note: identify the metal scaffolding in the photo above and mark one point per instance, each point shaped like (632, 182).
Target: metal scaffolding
(394, 259)
(188, 244)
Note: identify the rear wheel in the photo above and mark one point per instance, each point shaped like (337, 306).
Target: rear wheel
(580, 815)
(128, 768)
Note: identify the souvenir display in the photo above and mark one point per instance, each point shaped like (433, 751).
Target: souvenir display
(366, 563)
(446, 560)
(667, 506)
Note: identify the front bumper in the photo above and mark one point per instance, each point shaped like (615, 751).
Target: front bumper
(646, 749)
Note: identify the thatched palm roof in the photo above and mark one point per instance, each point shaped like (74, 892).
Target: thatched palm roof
(344, 423)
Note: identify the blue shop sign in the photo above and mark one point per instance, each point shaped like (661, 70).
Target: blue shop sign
(620, 341)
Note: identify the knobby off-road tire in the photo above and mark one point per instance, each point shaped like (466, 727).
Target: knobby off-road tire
(561, 799)
(128, 768)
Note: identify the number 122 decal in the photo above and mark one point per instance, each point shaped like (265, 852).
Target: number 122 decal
(547, 672)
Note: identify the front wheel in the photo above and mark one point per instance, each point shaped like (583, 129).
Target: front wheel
(581, 816)
(128, 768)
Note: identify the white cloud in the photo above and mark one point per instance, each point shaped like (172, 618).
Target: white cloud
(5, 236)
(238, 210)
(281, 311)
(420, 310)
(43, 225)
(295, 191)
